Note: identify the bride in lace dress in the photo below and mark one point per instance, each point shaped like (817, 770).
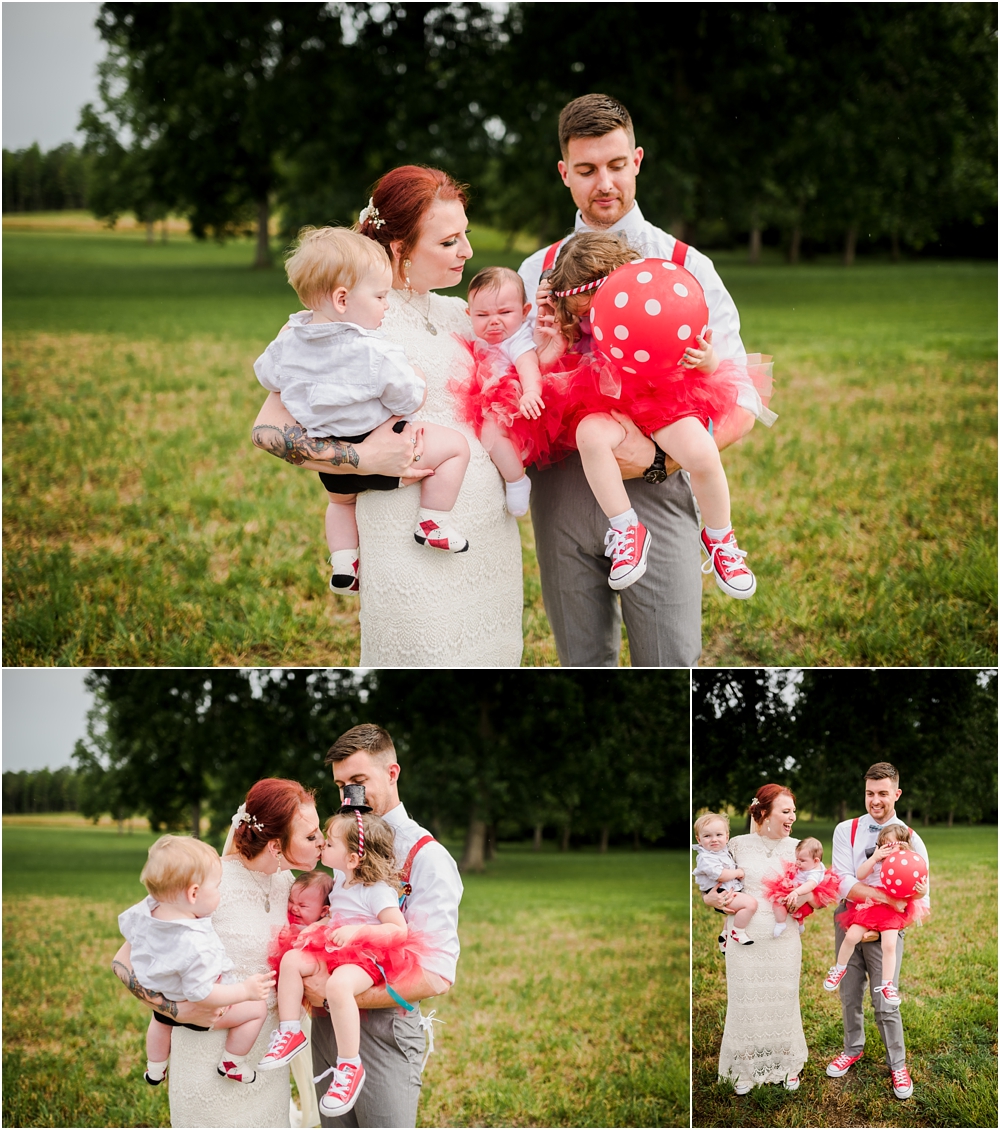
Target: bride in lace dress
(763, 1040)
(277, 828)
(420, 607)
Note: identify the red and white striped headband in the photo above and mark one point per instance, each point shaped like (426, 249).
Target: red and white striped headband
(581, 289)
(361, 835)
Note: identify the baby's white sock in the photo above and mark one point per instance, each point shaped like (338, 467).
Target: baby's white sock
(517, 496)
(621, 522)
(353, 1060)
(439, 516)
(290, 1025)
(779, 928)
(718, 535)
(156, 1069)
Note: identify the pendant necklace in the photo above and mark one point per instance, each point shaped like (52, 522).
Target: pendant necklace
(267, 893)
(431, 328)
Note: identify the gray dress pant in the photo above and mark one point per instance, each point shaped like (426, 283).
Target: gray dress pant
(662, 610)
(867, 961)
(392, 1046)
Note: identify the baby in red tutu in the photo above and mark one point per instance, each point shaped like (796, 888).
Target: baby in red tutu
(674, 410)
(859, 918)
(308, 898)
(365, 942)
(803, 887)
(503, 396)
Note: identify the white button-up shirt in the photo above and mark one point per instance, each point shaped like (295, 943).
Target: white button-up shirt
(654, 243)
(847, 859)
(432, 908)
(182, 958)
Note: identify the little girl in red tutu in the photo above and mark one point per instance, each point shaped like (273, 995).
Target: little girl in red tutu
(502, 398)
(859, 918)
(803, 887)
(673, 408)
(365, 942)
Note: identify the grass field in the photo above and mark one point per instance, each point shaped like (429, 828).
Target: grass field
(141, 528)
(571, 1007)
(949, 1010)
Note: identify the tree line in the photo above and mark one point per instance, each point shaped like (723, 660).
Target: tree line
(818, 731)
(580, 757)
(41, 790)
(55, 181)
(812, 126)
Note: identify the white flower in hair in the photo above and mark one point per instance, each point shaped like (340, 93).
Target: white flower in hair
(241, 816)
(370, 213)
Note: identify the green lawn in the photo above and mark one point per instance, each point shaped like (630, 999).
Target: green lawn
(949, 1009)
(141, 528)
(571, 1006)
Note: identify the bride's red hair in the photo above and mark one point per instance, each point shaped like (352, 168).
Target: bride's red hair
(272, 805)
(763, 801)
(402, 198)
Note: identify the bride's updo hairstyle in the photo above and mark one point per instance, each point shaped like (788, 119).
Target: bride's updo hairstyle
(399, 202)
(764, 799)
(271, 807)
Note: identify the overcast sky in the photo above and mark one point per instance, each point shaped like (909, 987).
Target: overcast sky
(50, 57)
(44, 712)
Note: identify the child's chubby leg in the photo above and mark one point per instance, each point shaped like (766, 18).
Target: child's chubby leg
(836, 975)
(687, 441)
(446, 451)
(780, 918)
(244, 1021)
(597, 436)
(157, 1051)
(746, 908)
(507, 460)
(343, 985)
(888, 990)
(342, 541)
(288, 1039)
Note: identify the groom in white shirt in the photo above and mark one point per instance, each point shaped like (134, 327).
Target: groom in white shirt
(854, 842)
(392, 1039)
(662, 611)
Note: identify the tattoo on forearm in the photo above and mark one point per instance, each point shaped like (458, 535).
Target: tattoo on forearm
(293, 445)
(157, 1000)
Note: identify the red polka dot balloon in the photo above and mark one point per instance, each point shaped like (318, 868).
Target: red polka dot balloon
(646, 314)
(901, 872)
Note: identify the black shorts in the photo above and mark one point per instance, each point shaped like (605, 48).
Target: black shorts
(177, 1024)
(355, 484)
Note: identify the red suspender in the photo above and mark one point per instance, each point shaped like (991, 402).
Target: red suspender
(854, 831)
(550, 255)
(404, 871)
(678, 257)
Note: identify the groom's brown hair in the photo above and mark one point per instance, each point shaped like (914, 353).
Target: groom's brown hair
(883, 771)
(593, 115)
(366, 738)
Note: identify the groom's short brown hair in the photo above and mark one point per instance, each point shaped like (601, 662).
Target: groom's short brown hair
(366, 738)
(593, 115)
(883, 771)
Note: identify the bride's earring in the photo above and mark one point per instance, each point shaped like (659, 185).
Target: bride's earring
(406, 274)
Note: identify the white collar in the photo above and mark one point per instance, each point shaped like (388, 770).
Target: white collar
(631, 223)
(300, 320)
(397, 816)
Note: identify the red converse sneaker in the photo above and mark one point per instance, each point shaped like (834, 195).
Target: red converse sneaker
(833, 978)
(429, 533)
(889, 994)
(628, 551)
(228, 1069)
(841, 1065)
(902, 1084)
(284, 1046)
(344, 1090)
(725, 559)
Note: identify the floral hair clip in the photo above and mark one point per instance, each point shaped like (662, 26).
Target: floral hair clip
(241, 816)
(580, 289)
(370, 214)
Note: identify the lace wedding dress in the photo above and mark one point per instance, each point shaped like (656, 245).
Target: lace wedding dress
(421, 607)
(199, 1096)
(763, 1040)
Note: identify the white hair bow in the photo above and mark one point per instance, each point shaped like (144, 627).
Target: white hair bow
(241, 816)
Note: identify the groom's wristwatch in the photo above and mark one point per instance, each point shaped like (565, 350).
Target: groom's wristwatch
(656, 472)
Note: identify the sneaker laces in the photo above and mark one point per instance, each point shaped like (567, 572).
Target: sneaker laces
(730, 556)
(617, 542)
(901, 1077)
(276, 1037)
(340, 1078)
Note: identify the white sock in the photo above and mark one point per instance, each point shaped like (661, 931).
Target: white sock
(353, 1060)
(344, 557)
(156, 1069)
(517, 496)
(838, 966)
(621, 522)
(440, 517)
(779, 928)
(290, 1025)
(718, 535)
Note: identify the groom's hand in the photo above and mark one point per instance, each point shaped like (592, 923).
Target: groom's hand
(184, 1012)
(719, 899)
(636, 452)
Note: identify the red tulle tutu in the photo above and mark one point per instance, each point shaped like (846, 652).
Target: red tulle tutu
(880, 916)
(779, 887)
(401, 958)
